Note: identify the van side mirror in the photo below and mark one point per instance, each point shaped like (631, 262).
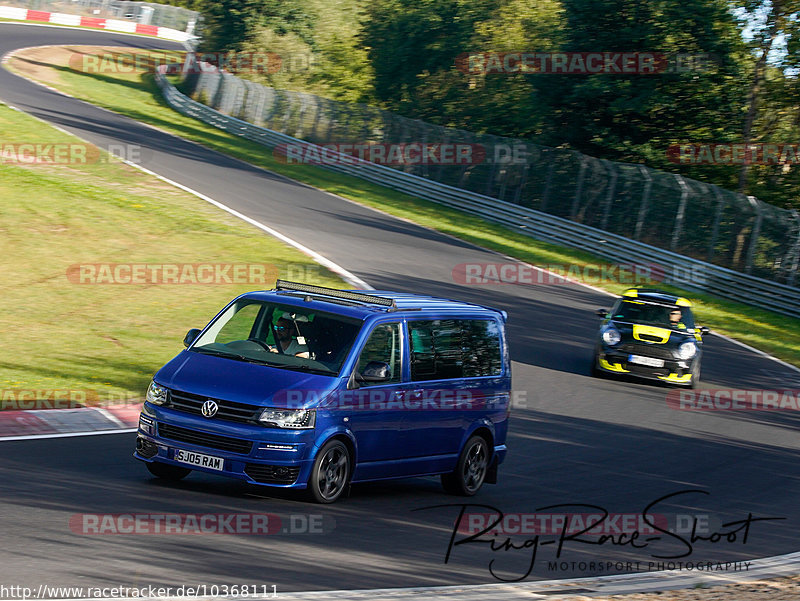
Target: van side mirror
(376, 371)
(704, 331)
(602, 313)
(190, 337)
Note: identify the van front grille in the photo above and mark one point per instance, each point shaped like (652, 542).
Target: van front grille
(205, 439)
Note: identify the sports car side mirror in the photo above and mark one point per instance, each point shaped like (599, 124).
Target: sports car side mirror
(603, 313)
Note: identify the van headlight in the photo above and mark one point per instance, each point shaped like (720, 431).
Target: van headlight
(687, 350)
(156, 394)
(611, 336)
(296, 419)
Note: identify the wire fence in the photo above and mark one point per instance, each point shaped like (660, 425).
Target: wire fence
(144, 13)
(685, 216)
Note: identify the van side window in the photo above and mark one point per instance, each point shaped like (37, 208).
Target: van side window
(383, 345)
(481, 345)
(449, 348)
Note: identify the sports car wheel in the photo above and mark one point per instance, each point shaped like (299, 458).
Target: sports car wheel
(695, 375)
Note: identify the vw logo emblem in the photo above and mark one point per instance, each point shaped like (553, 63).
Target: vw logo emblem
(209, 408)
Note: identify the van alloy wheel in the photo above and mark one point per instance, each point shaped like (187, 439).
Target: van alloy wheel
(470, 472)
(330, 473)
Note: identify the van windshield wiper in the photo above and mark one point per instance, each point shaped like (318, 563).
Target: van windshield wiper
(230, 355)
(313, 370)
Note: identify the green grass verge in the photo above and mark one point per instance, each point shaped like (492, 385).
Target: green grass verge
(136, 95)
(109, 339)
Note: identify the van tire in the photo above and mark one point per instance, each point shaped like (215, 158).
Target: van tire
(330, 474)
(167, 472)
(471, 469)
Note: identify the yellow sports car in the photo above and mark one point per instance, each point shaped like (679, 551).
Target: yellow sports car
(650, 334)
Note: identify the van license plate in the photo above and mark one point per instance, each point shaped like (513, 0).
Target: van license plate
(648, 361)
(214, 463)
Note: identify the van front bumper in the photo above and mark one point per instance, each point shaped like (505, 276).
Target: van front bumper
(263, 456)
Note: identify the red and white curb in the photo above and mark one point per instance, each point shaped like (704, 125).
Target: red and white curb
(25, 14)
(57, 423)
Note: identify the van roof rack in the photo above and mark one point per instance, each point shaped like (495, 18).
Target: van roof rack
(334, 293)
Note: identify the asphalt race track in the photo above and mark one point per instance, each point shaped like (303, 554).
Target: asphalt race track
(574, 439)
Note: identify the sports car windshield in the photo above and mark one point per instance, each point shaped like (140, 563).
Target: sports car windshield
(280, 336)
(654, 315)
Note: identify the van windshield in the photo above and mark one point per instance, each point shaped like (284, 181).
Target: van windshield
(280, 336)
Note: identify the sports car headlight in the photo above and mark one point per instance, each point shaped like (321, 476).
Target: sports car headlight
(611, 336)
(687, 350)
(296, 419)
(156, 394)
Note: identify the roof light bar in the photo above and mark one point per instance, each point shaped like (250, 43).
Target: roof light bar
(334, 293)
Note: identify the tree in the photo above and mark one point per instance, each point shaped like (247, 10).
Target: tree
(635, 117)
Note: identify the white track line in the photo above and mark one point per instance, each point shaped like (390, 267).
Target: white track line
(67, 434)
(110, 416)
(352, 279)
(349, 277)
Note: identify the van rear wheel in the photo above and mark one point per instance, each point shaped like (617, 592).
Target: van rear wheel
(167, 472)
(470, 472)
(330, 472)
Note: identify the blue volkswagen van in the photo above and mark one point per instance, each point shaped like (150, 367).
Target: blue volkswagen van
(316, 388)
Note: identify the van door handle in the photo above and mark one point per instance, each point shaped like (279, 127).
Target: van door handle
(415, 395)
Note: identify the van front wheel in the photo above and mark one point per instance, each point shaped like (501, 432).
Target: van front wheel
(330, 473)
(471, 469)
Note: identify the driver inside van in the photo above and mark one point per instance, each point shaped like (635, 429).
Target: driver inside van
(290, 339)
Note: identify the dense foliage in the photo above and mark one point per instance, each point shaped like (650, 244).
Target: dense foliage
(403, 55)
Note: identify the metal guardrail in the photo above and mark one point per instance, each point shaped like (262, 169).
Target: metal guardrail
(679, 270)
(662, 209)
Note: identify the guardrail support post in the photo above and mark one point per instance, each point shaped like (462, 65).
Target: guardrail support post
(521, 185)
(755, 234)
(490, 179)
(547, 183)
(712, 245)
(612, 188)
(676, 232)
(795, 252)
(579, 188)
(645, 202)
